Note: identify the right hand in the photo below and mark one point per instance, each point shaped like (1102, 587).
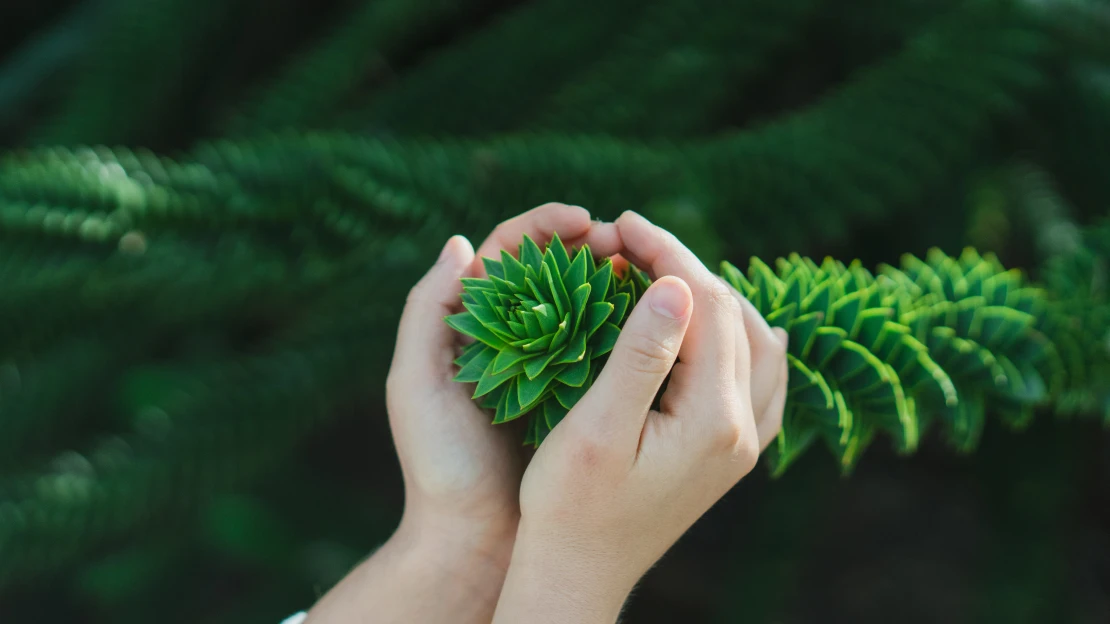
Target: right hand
(615, 484)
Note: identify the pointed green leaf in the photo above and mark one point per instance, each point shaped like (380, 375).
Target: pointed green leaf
(491, 400)
(578, 300)
(507, 358)
(513, 408)
(469, 352)
(493, 267)
(736, 278)
(567, 396)
(531, 324)
(620, 303)
(514, 269)
(562, 334)
(471, 371)
(490, 320)
(575, 275)
(576, 349)
(559, 251)
(538, 344)
(801, 333)
(530, 390)
(490, 380)
(502, 403)
(596, 315)
(600, 282)
(530, 436)
(465, 323)
(537, 292)
(558, 291)
(553, 413)
(546, 315)
(826, 340)
(576, 374)
(518, 329)
(605, 338)
(534, 367)
(782, 317)
(530, 254)
(503, 288)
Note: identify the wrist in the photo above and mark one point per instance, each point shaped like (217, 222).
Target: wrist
(462, 568)
(566, 582)
(481, 550)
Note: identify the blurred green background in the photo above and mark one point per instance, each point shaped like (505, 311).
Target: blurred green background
(210, 211)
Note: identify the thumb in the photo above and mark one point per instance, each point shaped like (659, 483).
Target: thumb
(615, 407)
(425, 344)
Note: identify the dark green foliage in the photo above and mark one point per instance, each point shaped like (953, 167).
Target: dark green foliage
(141, 53)
(1080, 282)
(357, 53)
(181, 317)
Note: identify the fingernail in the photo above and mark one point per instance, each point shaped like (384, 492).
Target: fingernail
(781, 334)
(444, 254)
(670, 299)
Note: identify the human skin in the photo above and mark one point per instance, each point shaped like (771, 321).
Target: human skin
(617, 483)
(448, 558)
(611, 488)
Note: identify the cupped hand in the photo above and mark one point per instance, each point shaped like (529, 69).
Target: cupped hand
(448, 559)
(462, 475)
(616, 483)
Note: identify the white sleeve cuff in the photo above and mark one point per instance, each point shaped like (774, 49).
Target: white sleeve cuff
(295, 619)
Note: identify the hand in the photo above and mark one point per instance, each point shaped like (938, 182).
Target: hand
(615, 484)
(462, 475)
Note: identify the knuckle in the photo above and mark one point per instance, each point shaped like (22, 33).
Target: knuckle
(747, 454)
(734, 426)
(722, 298)
(728, 433)
(647, 354)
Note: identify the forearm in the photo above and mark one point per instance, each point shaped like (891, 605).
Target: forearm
(418, 576)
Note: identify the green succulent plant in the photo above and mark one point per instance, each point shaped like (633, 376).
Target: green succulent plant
(543, 326)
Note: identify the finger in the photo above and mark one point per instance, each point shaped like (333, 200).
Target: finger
(571, 223)
(425, 344)
(769, 423)
(615, 407)
(768, 350)
(709, 352)
(604, 239)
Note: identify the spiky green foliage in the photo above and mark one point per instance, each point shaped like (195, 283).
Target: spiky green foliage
(543, 326)
(942, 340)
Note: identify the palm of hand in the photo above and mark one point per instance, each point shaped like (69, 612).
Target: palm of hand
(460, 465)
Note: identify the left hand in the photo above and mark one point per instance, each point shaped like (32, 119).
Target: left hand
(448, 559)
(462, 475)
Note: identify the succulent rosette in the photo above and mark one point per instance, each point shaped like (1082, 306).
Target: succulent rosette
(543, 326)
